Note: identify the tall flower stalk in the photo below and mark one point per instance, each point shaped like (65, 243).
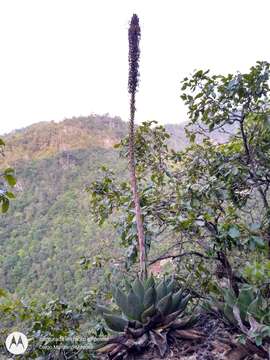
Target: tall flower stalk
(134, 34)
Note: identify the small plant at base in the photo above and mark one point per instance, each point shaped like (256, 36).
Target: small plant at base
(249, 312)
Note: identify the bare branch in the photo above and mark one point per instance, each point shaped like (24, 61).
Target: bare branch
(191, 253)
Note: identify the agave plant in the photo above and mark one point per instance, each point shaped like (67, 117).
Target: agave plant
(249, 312)
(148, 314)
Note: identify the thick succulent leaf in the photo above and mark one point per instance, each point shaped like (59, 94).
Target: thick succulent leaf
(103, 310)
(238, 320)
(169, 319)
(115, 323)
(128, 285)
(229, 297)
(121, 300)
(243, 302)
(228, 312)
(138, 289)
(255, 307)
(113, 290)
(176, 299)
(150, 282)
(161, 290)
(181, 304)
(134, 306)
(245, 298)
(170, 284)
(148, 313)
(150, 297)
(165, 304)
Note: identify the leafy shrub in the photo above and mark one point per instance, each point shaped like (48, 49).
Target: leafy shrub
(53, 329)
(258, 273)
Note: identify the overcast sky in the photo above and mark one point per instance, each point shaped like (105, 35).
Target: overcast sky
(64, 58)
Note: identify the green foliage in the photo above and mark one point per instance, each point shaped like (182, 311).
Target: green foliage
(218, 99)
(258, 273)
(53, 329)
(7, 180)
(111, 195)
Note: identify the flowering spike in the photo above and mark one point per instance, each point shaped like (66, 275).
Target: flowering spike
(134, 35)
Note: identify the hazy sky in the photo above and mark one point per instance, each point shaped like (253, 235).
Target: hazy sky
(64, 58)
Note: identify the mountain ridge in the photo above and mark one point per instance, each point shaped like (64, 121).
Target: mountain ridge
(45, 139)
(48, 138)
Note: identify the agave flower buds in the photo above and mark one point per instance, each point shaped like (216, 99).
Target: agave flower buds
(134, 35)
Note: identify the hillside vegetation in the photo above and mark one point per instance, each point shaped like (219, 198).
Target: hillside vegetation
(48, 228)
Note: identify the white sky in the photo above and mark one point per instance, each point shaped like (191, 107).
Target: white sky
(64, 58)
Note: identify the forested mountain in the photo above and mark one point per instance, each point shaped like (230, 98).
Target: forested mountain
(48, 228)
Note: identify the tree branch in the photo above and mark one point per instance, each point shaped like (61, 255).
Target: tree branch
(195, 253)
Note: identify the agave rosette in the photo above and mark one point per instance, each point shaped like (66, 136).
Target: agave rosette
(149, 314)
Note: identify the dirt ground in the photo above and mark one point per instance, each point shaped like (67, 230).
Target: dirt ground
(218, 343)
(215, 341)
